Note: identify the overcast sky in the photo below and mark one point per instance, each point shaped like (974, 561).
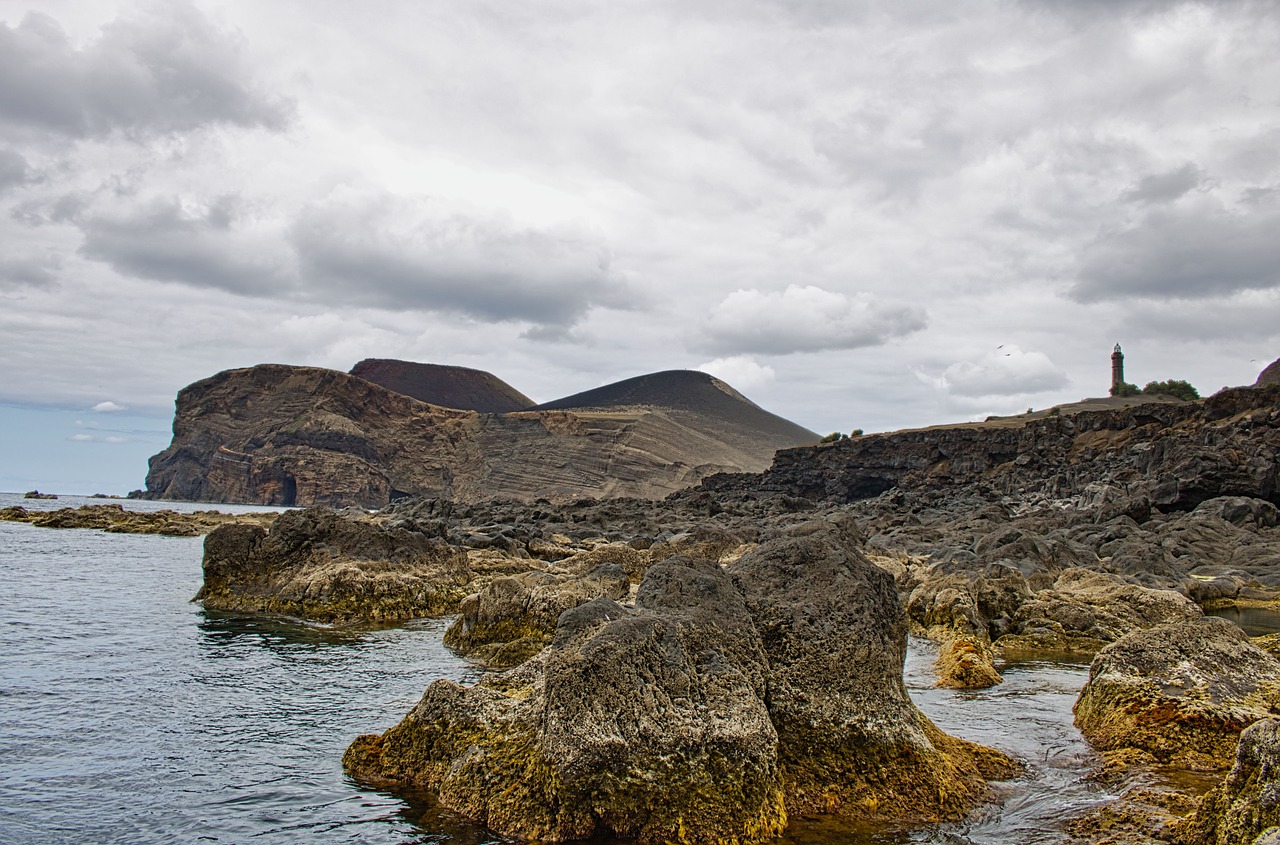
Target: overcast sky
(860, 214)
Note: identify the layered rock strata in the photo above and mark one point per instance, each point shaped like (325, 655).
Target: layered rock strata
(716, 705)
(280, 435)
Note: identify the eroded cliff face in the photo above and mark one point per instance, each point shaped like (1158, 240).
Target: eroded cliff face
(284, 435)
(1170, 455)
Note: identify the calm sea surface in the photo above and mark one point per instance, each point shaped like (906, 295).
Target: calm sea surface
(129, 714)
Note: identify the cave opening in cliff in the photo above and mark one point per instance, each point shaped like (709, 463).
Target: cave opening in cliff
(289, 491)
(398, 495)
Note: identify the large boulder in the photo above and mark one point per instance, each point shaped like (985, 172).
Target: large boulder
(711, 709)
(317, 564)
(850, 740)
(645, 723)
(1245, 807)
(513, 617)
(1181, 693)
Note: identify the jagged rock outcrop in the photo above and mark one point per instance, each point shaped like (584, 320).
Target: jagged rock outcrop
(1180, 693)
(512, 618)
(281, 435)
(1167, 454)
(460, 388)
(717, 705)
(316, 564)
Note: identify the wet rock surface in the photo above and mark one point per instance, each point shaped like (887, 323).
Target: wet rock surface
(116, 520)
(317, 564)
(1181, 693)
(711, 709)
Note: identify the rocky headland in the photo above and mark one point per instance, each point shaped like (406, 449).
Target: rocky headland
(284, 435)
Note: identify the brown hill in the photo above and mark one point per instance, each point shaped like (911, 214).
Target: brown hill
(283, 435)
(449, 387)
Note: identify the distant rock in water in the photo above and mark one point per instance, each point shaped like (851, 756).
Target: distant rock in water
(449, 387)
(282, 435)
(1271, 375)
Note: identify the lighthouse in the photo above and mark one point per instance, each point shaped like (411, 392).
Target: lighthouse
(1117, 370)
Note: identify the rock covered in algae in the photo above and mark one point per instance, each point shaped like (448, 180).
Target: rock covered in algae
(850, 740)
(317, 564)
(1245, 807)
(711, 709)
(647, 723)
(1182, 693)
(513, 617)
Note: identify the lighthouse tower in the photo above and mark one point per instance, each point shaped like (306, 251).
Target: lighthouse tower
(1117, 370)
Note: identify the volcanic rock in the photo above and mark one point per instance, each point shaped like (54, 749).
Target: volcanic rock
(707, 712)
(1270, 375)
(114, 519)
(646, 725)
(1245, 807)
(513, 617)
(316, 564)
(1181, 692)
(449, 387)
(282, 435)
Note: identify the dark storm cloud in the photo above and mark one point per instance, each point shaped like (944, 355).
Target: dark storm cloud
(167, 242)
(1184, 253)
(13, 170)
(163, 72)
(394, 253)
(1165, 187)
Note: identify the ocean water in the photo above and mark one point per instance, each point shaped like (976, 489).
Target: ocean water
(128, 714)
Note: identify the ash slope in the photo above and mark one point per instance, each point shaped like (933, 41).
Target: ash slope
(449, 387)
(284, 435)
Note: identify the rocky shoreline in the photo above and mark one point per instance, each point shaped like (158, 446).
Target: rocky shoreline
(650, 644)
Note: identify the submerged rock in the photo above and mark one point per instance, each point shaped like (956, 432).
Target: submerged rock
(316, 564)
(1182, 693)
(708, 712)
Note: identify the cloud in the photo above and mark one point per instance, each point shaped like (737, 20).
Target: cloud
(166, 69)
(33, 271)
(81, 437)
(107, 407)
(805, 318)
(204, 245)
(1164, 187)
(14, 170)
(1005, 371)
(740, 371)
(384, 251)
(1181, 252)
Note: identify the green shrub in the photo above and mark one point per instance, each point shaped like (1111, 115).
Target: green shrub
(1172, 387)
(1125, 389)
(833, 437)
(857, 432)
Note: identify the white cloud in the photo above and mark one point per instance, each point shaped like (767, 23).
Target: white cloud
(1004, 371)
(740, 371)
(806, 318)
(107, 407)
(81, 437)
